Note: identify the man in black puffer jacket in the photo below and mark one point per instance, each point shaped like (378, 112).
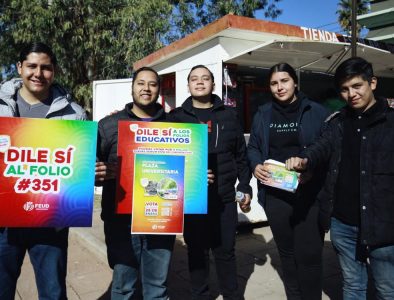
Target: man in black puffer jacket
(128, 254)
(359, 189)
(227, 162)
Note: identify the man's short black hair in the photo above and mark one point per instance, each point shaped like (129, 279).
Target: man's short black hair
(353, 67)
(37, 47)
(203, 67)
(135, 74)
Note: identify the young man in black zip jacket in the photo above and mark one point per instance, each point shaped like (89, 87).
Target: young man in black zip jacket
(227, 162)
(359, 188)
(129, 254)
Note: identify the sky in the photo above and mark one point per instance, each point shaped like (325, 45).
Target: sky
(319, 14)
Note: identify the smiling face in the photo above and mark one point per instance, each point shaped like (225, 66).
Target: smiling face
(358, 93)
(37, 72)
(145, 90)
(283, 87)
(200, 84)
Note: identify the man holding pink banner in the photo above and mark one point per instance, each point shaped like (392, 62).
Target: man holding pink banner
(36, 96)
(131, 254)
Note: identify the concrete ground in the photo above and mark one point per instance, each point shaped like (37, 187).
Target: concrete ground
(89, 276)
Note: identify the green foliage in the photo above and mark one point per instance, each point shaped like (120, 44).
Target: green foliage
(344, 13)
(101, 39)
(92, 39)
(189, 15)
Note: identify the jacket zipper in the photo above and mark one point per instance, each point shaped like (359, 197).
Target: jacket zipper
(217, 135)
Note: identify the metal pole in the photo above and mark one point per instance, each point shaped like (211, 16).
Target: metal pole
(298, 71)
(354, 28)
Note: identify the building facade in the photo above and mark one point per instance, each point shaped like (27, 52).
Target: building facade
(379, 21)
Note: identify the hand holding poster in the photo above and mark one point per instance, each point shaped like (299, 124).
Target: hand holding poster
(173, 139)
(281, 178)
(47, 172)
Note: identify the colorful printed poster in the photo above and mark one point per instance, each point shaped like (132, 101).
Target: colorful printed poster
(281, 178)
(46, 172)
(158, 138)
(158, 194)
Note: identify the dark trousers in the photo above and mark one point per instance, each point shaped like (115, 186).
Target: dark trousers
(214, 231)
(299, 239)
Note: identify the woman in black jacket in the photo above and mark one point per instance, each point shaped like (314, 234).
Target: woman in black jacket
(281, 129)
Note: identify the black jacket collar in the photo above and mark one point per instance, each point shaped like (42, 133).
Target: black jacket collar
(160, 114)
(380, 114)
(216, 101)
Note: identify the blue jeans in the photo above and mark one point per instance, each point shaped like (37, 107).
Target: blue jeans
(47, 249)
(130, 255)
(355, 278)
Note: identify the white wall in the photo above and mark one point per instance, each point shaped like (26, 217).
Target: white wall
(110, 95)
(209, 54)
(257, 213)
(181, 91)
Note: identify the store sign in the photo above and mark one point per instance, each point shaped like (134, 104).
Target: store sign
(319, 35)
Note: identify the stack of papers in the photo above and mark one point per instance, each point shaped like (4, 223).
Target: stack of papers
(280, 177)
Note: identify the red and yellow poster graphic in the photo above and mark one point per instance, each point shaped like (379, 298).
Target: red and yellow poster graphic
(158, 195)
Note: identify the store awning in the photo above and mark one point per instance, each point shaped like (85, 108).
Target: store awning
(313, 56)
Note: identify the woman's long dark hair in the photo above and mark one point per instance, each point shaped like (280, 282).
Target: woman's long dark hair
(284, 67)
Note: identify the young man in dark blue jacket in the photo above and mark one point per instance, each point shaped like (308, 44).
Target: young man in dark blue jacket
(131, 255)
(359, 188)
(227, 162)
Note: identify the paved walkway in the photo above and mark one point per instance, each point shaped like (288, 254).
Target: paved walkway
(89, 276)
